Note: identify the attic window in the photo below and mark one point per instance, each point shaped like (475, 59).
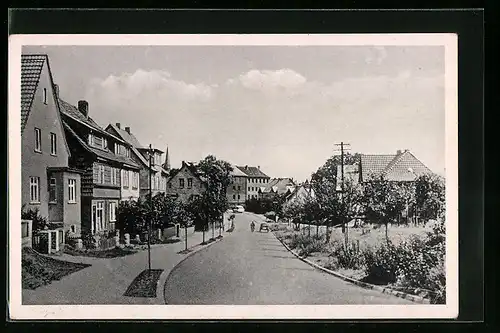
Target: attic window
(44, 96)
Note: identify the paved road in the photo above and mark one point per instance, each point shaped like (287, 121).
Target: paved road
(255, 269)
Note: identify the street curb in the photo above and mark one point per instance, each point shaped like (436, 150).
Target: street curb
(385, 290)
(160, 287)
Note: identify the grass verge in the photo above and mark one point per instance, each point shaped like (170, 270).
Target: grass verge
(38, 270)
(144, 285)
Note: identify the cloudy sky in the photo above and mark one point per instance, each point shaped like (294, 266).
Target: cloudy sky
(282, 108)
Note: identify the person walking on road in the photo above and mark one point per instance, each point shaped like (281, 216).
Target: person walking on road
(252, 226)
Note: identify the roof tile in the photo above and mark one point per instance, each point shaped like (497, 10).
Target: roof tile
(31, 68)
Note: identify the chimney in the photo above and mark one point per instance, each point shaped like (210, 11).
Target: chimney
(258, 167)
(246, 167)
(127, 129)
(56, 90)
(118, 125)
(398, 152)
(83, 107)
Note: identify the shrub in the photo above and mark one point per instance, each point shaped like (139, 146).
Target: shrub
(38, 222)
(347, 257)
(381, 265)
(437, 283)
(414, 263)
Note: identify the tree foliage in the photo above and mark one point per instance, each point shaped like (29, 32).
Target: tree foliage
(430, 196)
(383, 200)
(217, 176)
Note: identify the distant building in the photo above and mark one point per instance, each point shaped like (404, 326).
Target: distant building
(47, 181)
(186, 182)
(141, 156)
(298, 196)
(256, 180)
(237, 190)
(401, 167)
(277, 186)
(351, 174)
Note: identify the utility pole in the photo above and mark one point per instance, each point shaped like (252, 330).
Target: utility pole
(345, 226)
(150, 207)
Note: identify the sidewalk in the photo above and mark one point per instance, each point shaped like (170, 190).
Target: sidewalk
(106, 280)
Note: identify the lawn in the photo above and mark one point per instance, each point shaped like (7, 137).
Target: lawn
(371, 236)
(38, 270)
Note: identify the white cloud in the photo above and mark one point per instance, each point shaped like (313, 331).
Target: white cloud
(268, 117)
(268, 79)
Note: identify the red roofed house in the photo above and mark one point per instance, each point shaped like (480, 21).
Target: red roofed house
(401, 167)
(47, 182)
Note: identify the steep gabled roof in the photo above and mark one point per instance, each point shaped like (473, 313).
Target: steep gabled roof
(405, 167)
(73, 113)
(237, 172)
(191, 168)
(400, 167)
(105, 154)
(252, 171)
(279, 185)
(126, 136)
(31, 69)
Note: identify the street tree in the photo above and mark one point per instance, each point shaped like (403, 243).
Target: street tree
(217, 176)
(383, 201)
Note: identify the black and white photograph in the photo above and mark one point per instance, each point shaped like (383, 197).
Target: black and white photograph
(233, 176)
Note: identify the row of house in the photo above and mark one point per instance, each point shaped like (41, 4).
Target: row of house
(75, 172)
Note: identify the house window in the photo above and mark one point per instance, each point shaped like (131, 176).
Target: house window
(234, 188)
(169, 185)
(238, 197)
(52, 190)
(104, 143)
(248, 189)
(72, 190)
(35, 189)
(135, 180)
(97, 216)
(38, 140)
(181, 182)
(190, 182)
(239, 188)
(44, 96)
(113, 176)
(73, 228)
(234, 196)
(125, 179)
(101, 174)
(53, 144)
(112, 211)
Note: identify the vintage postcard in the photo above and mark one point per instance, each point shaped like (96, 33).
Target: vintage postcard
(233, 176)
